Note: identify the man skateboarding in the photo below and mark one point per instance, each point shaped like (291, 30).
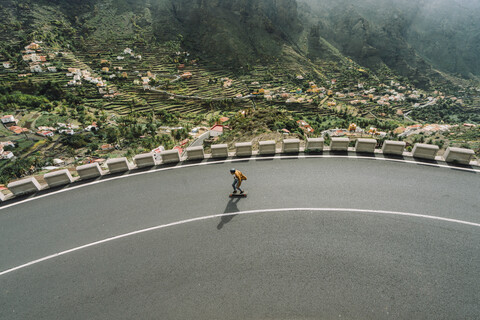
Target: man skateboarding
(237, 180)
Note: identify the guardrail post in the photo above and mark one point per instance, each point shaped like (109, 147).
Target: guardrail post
(118, 165)
(195, 153)
(425, 151)
(393, 147)
(25, 186)
(144, 160)
(170, 156)
(219, 151)
(459, 155)
(58, 178)
(291, 146)
(267, 147)
(89, 171)
(365, 145)
(339, 144)
(243, 149)
(315, 144)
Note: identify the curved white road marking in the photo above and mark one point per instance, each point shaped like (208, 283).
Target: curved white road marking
(163, 226)
(300, 156)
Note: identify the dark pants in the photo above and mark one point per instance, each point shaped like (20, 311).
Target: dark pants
(235, 185)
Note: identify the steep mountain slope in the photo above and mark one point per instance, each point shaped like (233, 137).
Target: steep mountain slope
(447, 33)
(413, 39)
(409, 37)
(237, 31)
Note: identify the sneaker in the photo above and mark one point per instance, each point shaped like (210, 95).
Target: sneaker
(241, 191)
(235, 191)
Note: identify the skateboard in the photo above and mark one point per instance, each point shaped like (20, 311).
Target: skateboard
(238, 195)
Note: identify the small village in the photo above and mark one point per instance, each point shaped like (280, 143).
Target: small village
(122, 94)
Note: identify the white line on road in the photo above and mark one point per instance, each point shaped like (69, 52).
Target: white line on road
(163, 226)
(276, 157)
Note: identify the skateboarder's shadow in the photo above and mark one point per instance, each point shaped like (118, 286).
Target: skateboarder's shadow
(231, 208)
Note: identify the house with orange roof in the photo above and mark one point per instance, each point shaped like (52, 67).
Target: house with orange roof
(305, 126)
(217, 130)
(186, 75)
(33, 46)
(17, 129)
(184, 142)
(106, 147)
(180, 150)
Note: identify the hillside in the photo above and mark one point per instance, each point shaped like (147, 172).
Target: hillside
(414, 38)
(85, 81)
(401, 35)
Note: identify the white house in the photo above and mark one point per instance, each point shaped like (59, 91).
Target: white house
(127, 51)
(58, 162)
(35, 58)
(45, 133)
(7, 144)
(7, 155)
(36, 68)
(45, 128)
(70, 132)
(7, 65)
(8, 119)
(92, 127)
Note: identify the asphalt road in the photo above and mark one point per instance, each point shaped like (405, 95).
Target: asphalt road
(296, 256)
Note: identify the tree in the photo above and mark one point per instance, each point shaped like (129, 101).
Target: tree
(112, 134)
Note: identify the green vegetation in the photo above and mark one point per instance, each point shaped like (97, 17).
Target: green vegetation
(138, 79)
(447, 112)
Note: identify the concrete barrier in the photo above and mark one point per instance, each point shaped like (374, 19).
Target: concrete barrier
(315, 144)
(2, 196)
(267, 147)
(89, 171)
(365, 145)
(393, 147)
(219, 151)
(458, 155)
(243, 149)
(144, 160)
(58, 178)
(425, 151)
(195, 153)
(339, 144)
(170, 156)
(291, 146)
(25, 186)
(118, 165)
